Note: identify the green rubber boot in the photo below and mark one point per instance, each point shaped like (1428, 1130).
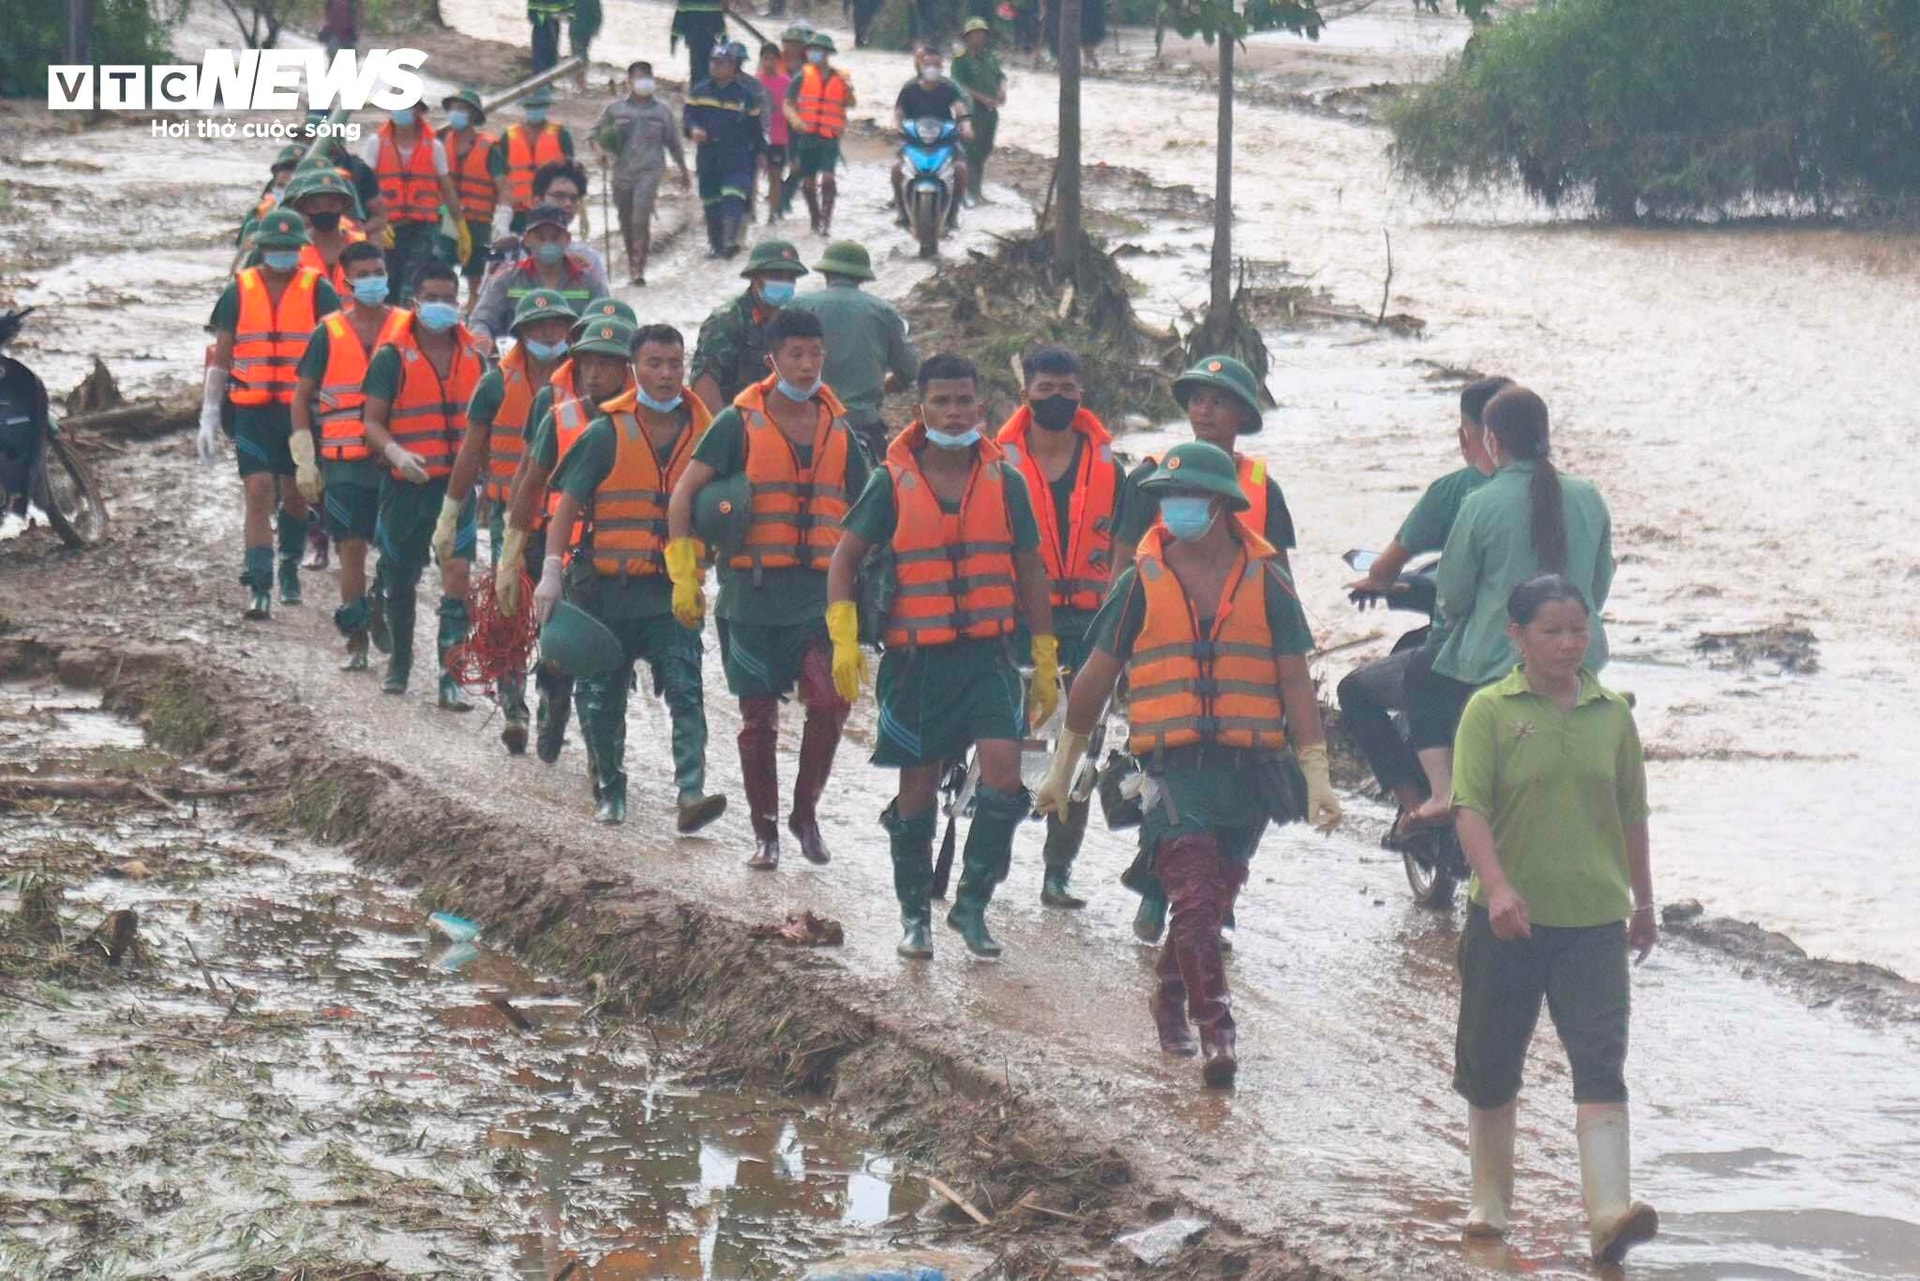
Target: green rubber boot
(551, 712)
(292, 537)
(400, 614)
(256, 576)
(1063, 846)
(377, 630)
(1150, 918)
(984, 863)
(351, 622)
(910, 842)
(513, 705)
(454, 626)
(603, 723)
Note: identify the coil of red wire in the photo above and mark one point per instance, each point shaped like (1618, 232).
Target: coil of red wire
(498, 644)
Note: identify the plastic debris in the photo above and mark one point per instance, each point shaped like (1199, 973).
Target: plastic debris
(1157, 1244)
(803, 929)
(899, 1265)
(456, 928)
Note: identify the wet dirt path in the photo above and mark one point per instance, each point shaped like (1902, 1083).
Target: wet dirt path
(1344, 1132)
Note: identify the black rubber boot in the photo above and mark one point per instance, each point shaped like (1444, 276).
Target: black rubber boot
(984, 862)
(377, 630)
(291, 534)
(400, 614)
(351, 622)
(257, 577)
(551, 713)
(1063, 846)
(910, 842)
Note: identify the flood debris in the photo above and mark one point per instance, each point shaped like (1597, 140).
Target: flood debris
(1788, 646)
(802, 929)
(1160, 1242)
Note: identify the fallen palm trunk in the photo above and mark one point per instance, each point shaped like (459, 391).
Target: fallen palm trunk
(115, 789)
(139, 420)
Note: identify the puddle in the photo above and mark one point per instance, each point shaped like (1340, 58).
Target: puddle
(355, 1088)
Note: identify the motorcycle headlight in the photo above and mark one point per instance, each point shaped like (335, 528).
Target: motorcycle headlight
(928, 131)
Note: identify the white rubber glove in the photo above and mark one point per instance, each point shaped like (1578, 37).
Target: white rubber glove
(502, 221)
(547, 594)
(306, 472)
(1052, 796)
(408, 464)
(206, 444)
(1323, 807)
(443, 530)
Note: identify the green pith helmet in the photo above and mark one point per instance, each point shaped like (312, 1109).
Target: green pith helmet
(281, 229)
(579, 644)
(797, 33)
(1228, 375)
(721, 512)
(1196, 465)
(846, 258)
(973, 25)
(774, 256)
(470, 99)
(821, 40)
(289, 157)
(605, 309)
(541, 97)
(321, 180)
(541, 304)
(606, 337)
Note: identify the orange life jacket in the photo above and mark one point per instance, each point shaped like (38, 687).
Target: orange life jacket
(822, 102)
(471, 180)
(1222, 688)
(429, 414)
(524, 158)
(310, 256)
(1253, 483)
(571, 417)
(507, 437)
(1080, 577)
(795, 521)
(343, 432)
(268, 341)
(953, 570)
(630, 506)
(410, 190)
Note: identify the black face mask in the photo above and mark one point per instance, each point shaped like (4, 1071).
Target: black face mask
(325, 221)
(1055, 413)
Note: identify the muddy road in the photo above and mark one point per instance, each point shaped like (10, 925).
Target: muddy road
(1693, 375)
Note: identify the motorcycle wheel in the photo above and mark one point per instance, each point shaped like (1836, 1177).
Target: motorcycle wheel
(926, 222)
(70, 496)
(1432, 886)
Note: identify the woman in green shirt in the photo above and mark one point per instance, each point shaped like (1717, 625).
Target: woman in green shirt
(1529, 518)
(1550, 801)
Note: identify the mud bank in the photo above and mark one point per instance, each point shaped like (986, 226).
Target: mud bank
(755, 1014)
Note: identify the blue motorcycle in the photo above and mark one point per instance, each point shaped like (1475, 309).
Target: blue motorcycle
(929, 158)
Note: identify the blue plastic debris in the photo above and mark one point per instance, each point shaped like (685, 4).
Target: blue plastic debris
(457, 928)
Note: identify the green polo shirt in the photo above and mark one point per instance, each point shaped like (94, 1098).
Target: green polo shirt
(1559, 789)
(1490, 552)
(1426, 527)
(980, 72)
(783, 597)
(866, 340)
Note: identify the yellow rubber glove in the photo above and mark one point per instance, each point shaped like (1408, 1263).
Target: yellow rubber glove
(463, 240)
(1052, 796)
(1323, 807)
(386, 236)
(443, 530)
(849, 661)
(506, 572)
(1044, 694)
(306, 473)
(683, 568)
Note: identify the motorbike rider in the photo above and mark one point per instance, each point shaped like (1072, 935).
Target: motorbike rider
(930, 95)
(1369, 694)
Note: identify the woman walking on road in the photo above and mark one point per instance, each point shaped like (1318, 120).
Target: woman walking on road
(1550, 800)
(1529, 519)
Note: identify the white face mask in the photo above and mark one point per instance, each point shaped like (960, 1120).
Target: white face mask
(930, 74)
(642, 85)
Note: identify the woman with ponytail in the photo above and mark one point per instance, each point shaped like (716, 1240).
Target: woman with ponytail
(1529, 519)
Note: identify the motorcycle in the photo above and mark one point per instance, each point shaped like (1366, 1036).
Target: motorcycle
(39, 471)
(1434, 862)
(929, 157)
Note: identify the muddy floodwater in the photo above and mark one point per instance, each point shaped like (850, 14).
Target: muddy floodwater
(293, 1065)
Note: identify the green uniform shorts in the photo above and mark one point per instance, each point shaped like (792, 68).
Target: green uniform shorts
(1580, 972)
(352, 500)
(408, 514)
(937, 702)
(764, 661)
(815, 155)
(260, 434)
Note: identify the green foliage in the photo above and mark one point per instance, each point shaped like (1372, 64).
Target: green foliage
(124, 31)
(1676, 109)
(1211, 19)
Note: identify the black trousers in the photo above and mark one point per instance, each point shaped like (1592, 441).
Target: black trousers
(1434, 704)
(1368, 697)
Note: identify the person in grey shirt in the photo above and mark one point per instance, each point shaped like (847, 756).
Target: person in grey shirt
(640, 132)
(548, 260)
(866, 341)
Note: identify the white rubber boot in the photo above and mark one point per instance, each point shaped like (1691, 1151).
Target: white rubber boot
(1490, 1152)
(1615, 1221)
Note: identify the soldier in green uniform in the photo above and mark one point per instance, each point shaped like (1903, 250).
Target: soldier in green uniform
(498, 419)
(418, 387)
(1212, 637)
(261, 324)
(346, 477)
(947, 681)
(787, 433)
(618, 476)
(731, 353)
(868, 350)
(978, 72)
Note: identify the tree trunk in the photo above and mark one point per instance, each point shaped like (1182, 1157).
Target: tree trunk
(1223, 187)
(80, 31)
(1066, 219)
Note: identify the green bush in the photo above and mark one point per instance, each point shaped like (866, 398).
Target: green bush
(1676, 109)
(124, 31)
